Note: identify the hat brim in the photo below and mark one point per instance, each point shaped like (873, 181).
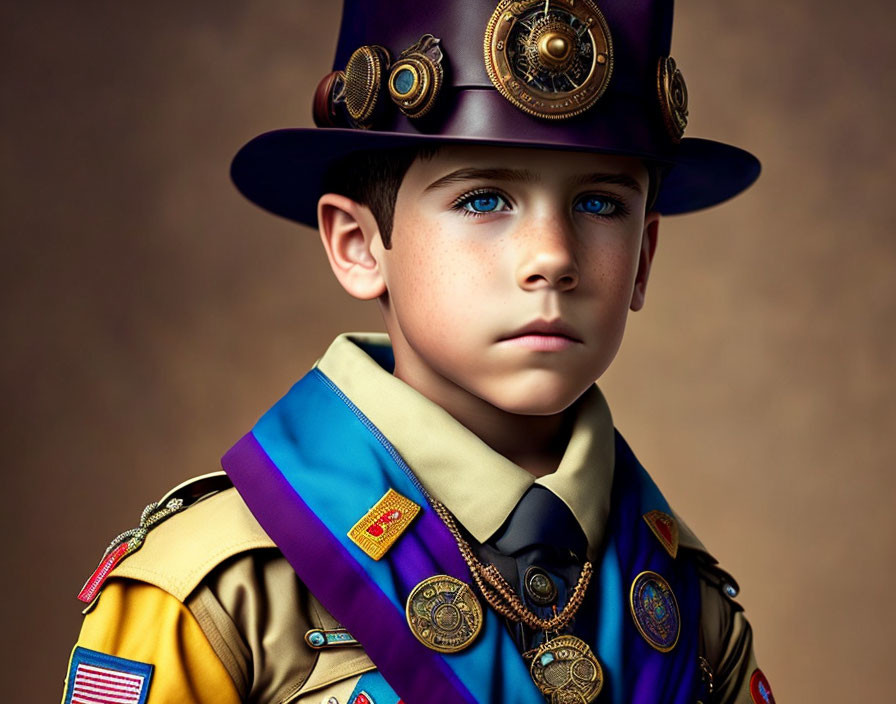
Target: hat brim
(283, 171)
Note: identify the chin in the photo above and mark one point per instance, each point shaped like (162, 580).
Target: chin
(536, 400)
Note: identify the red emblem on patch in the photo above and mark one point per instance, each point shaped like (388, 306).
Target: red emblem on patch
(379, 527)
(760, 689)
(362, 698)
(665, 528)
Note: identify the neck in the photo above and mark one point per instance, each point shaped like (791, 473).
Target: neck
(535, 443)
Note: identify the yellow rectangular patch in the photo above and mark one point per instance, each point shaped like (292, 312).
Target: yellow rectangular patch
(382, 525)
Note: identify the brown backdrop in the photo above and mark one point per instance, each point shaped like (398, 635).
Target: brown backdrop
(150, 314)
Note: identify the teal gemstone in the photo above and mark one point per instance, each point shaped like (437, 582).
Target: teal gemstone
(546, 659)
(404, 81)
(317, 639)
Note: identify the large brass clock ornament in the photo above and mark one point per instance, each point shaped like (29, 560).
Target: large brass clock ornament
(550, 58)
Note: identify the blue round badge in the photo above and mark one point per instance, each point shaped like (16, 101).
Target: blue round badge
(655, 611)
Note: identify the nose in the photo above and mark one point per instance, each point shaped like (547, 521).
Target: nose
(547, 256)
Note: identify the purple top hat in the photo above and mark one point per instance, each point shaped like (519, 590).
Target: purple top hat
(577, 75)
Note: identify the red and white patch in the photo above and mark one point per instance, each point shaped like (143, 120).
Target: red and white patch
(98, 678)
(95, 582)
(760, 689)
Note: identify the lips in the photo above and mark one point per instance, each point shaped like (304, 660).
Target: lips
(544, 328)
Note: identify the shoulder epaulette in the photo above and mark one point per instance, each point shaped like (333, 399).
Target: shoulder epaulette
(128, 542)
(708, 565)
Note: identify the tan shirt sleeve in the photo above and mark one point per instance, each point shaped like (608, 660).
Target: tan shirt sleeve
(212, 604)
(727, 641)
(255, 612)
(141, 622)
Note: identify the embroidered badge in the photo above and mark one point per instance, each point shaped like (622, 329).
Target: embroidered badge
(760, 689)
(665, 528)
(97, 678)
(320, 638)
(378, 530)
(655, 611)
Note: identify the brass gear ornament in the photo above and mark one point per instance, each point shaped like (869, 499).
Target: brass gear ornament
(673, 94)
(551, 58)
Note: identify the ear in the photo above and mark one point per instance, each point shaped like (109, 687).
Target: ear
(645, 259)
(348, 229)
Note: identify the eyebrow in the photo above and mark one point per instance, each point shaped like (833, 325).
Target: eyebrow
(623, 180)
(526, 176)
(469, 174)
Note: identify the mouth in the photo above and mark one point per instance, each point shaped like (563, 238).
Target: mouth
(543, 335)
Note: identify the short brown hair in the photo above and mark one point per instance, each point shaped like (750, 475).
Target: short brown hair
(373, 178)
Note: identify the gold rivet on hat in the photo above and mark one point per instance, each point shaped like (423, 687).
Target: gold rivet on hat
(555, 46)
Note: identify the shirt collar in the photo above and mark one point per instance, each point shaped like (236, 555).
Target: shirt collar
(478, 485)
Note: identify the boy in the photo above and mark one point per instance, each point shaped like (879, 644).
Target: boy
(447, 514)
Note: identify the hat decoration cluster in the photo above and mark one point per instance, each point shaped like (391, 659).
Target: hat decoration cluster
(552, 59)
(354, 97)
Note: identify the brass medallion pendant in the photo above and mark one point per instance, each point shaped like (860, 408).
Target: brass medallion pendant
(566, 671)
(550, 58)
(444, 614)
(563, 668)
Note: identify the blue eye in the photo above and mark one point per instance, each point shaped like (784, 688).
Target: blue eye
(484, 204)
(596, 205)
(481, 203)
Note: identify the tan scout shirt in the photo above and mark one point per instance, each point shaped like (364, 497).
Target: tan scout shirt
(214, 605)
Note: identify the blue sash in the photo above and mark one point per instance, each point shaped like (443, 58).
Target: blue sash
(314, 464)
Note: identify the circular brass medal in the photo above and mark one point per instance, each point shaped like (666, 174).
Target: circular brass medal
(444, 614)
(566, 671)
(552, 60)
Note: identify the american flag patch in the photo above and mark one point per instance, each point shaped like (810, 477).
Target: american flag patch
(97, 678)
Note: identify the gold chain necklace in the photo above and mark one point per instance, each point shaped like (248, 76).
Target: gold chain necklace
(563, 666)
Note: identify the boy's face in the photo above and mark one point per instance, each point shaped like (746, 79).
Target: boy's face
(512, 271)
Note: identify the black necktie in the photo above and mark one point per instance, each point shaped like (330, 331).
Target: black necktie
(539, 550)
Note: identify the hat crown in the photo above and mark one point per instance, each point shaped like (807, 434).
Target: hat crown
(640, 29)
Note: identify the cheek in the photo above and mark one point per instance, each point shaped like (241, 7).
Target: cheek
(614, 269)
(426, 284)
